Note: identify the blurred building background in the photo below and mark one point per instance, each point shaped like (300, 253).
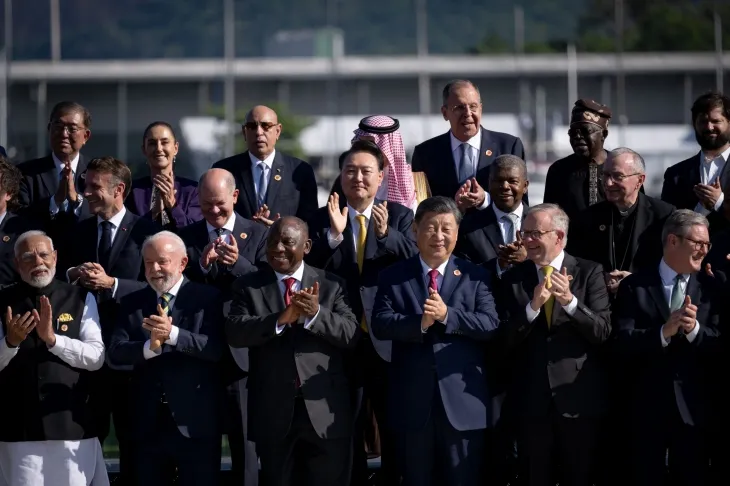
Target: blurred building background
(324, 64)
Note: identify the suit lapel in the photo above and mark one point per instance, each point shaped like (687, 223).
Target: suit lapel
(49, 175)
(417, 281)
(80, 176)
(248, 191)
(277, 169)
(491, 229)
(201, 235)
(446, 163)
(571, 266)
(121, 237)
(694, 177)
(693, 289)
(452, 275)
(656, 291)
(241, 233)
(180, 304)
(643, 217)
(371, 243)
(486, 153)
(273, 299)
(529, 279)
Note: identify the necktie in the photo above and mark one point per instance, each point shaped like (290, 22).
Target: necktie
(262, 183)
(288, 292)
(219, 232)
(433, 283)
(510, 228)
(361, 237)
(547, 271)
(592, 183)
(464, 163)
(105, 245)
(677, 299)
(165, 302)
(156, 205)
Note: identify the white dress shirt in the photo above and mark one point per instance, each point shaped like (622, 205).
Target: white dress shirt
(256, 170)
(439, 280)
(226, 235)
(59, 462)
(668, 275)
(474, 144)
(2, 217)
(710, 170)
(59, 168)
(354, 225)
(557, 265)
(297, 276)
(174, 330)
(503, 226)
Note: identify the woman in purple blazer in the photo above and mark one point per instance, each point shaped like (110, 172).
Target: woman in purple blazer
(169, 200)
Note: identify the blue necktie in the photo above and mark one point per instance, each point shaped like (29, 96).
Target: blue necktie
(465, 164)
(262, 184)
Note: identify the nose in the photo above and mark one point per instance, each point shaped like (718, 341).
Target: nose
(259, 129)
(38, 260)
(159, 146)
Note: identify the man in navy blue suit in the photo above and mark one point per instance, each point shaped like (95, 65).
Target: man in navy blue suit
(456, 164)
(437, 310)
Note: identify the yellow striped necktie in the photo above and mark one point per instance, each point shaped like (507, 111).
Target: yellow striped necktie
(165, 302)
(361, 237)
(547, 271)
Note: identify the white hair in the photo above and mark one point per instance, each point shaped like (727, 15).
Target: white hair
(175, 240)
(30, 234)
(558, 217)
(636, 159)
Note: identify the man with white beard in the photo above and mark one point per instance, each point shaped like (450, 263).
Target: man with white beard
(50, 340)
(171, 333)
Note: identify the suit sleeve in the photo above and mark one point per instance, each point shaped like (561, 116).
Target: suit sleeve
(518, 148)
(480, 324)
(389, 325)
(592, 318)
(122, 350)
(337, 324)
(552, 187)
(24, 192)
(417, 163)
(189, 214)
(400, 239)
(321, 252)
(206, 344)
(668, 189)
(245, 329)
(308, 202)
(630, 340)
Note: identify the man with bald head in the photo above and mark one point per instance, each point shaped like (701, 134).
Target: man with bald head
(272, 184)
(170, 332)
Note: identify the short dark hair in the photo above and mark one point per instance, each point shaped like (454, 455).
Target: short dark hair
(118, 169)
(158, 124)
(366, 146)
(508, 161)
(454, 84)
(438, 205)
(708, 102)
(66, 107)
(10, 177)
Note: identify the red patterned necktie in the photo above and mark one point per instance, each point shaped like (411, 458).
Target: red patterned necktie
(289, 283)
(433, 283)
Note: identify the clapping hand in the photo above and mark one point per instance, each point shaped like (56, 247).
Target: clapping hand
(159, 325)
(307, 300)
(263, 216)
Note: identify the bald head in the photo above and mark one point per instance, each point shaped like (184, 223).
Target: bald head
(217, 180)
(261, 131)
(218, 195)
(293, 222)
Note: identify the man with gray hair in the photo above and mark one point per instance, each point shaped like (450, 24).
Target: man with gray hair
(49, 340)
(666, 321)
(622, 233)
(170, 332)
(556, 311)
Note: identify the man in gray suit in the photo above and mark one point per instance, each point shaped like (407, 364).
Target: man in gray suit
(297, 324)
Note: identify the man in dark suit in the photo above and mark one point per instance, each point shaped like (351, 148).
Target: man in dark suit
(557, 317)
(356, 241)
(171, 333)
(437, 310)
(272, 184)
(107, 249)
(12, 225)
(470, 147)
(623, 232)
(297, 324)
(52, 186)
(698, 182)
(223, 247)
(666, 321)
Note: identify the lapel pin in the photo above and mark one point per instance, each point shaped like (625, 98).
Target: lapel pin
(602, 227)
(278, 169)
(124, 229)
(457, 272)
(488, 153)
(64, 328)
(6, 238)
(83, 176)
(243, 236)
(277, 177)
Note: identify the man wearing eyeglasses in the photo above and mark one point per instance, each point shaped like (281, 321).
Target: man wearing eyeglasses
(555, 309)
(666, 320)
(272, 184)
(622, 233)
(456, 164)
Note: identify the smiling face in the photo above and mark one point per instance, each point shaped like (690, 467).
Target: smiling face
(685, 253)
(160, 147)
(286, 245)
(103, 192)
(542, 240)
(164, 263)
(436, 235)
(360, 177)
(36, 261)
(68, 134)
(463, 110)
(507, 185)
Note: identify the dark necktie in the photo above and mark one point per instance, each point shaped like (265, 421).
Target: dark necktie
(105, 245)
(433, 283)
(288, 293)
(219, 232)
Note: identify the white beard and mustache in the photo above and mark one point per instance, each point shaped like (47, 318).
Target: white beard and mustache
(40, 281)
(163, 284)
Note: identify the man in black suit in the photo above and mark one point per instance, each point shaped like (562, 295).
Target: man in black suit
(356, 241)
(12, 225)
(622, 233)
(272, 184)
(557, 316)
(222, 247)
(470, 147)
(171, 333)
(297, 324)
(107, 249)
(666, 321)
(698, 182)
(52, 186)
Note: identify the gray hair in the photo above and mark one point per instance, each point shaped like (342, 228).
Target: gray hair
(509, 161)
(175, 240)
(680, 222)
(636, 159)
(438, 205)
(229, 180)
(452, 86)
(558, 217)
(30, 234)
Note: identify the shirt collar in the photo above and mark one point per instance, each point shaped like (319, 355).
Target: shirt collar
(115, 220)
(557, 263)
(269, 161)
(60, 165)
(475, 141)
(353, 212)
(441, 268)
(228, 226)
(667, 273)
(724, 156)
(2, 217)
(175, 288)
(500, 214)
(298, 275)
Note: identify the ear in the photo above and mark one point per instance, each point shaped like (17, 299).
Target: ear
(445, 112)
(184, 262)
(307, 246)
(235, 196)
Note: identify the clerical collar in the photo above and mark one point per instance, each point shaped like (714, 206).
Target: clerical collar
(625, 213)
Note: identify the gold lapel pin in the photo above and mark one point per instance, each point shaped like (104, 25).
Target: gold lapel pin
(457, 272)
(277, 177)
(64, 328)
(6, 238)
(488, 153)
(602, 227)
(243, 236)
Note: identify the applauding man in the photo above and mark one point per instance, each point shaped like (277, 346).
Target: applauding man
(436, 309)
(297, 324)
